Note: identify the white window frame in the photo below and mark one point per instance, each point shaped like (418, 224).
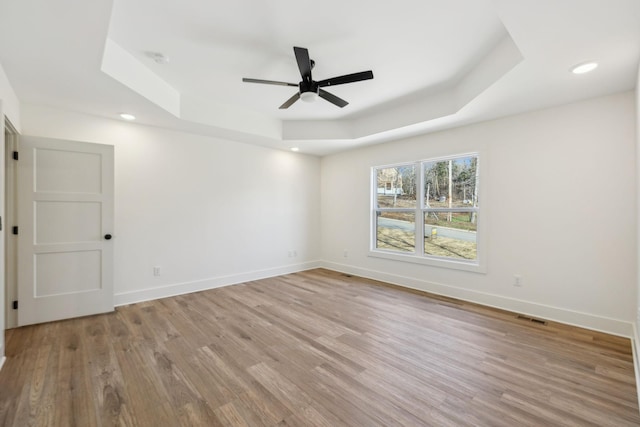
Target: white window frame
(418, 256)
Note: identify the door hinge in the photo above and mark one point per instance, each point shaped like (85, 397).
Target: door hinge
(15, 305)
(14, 230)
(15, 155)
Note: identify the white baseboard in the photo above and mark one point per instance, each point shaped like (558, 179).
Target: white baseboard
(149, 294)
(556, 314)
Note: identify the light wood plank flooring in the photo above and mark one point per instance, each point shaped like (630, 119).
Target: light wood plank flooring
(317, 348)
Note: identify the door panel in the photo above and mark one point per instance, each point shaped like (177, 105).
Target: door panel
(65, 207)
(67, 171)
(66, 272)
(65, 215)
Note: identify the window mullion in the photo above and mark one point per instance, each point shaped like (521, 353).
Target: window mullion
(419, 228)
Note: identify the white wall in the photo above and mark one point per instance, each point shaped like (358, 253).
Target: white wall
(4, 221)
(559, 206)
(207, 211)
(636, 339)
(637, 317)
(10, 102)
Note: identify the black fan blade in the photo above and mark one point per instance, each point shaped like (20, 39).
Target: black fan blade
(290, 101)
(347, 78)
(332, 98)
(268, 82)
(304, 62)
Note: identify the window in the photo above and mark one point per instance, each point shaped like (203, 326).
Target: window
(427, 210)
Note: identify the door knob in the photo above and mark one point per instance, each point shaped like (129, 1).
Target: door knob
(107, 236)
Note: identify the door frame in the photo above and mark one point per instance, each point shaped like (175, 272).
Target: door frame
(10, 242)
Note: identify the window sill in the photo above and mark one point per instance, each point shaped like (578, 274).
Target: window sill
(472, 266)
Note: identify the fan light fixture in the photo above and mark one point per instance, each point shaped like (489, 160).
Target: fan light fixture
(309, 96)
(585, 67)
(127, 116)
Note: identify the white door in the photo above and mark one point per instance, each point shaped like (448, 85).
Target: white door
(65, 220)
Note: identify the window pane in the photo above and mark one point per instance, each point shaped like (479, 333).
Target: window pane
(396, 231)
(396, 187)
(451, 234)
(451, 183)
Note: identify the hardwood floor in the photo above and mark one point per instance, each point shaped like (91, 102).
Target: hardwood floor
(314, 349)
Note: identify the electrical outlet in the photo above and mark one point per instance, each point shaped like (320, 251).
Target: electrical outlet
(295, 254)
(345, 254)
(518, 280)
(156, 271)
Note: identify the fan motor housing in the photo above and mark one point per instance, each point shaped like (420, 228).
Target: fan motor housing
(306, 86)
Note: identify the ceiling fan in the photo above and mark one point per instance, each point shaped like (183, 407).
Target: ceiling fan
(309, 89)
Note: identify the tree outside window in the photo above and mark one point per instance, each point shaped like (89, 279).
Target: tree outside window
(428, 208)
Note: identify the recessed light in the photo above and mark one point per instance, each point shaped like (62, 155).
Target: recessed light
(585, 67)
(127, 116)
(295, 149)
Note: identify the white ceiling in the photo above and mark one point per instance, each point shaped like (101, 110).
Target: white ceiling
(436, 64)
